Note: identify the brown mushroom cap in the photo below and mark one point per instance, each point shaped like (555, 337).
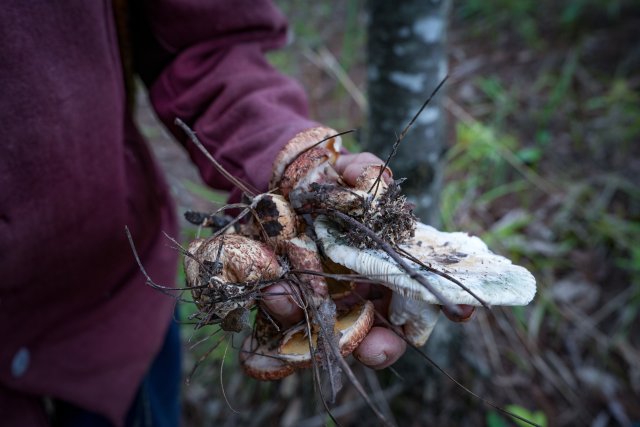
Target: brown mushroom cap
(352, 326)
(243, 259)
(276, 219)
(261, 363)
(243, 262)
(299, 143)
(368, 177)
(302, 253)
(314, 165)
(265, 361)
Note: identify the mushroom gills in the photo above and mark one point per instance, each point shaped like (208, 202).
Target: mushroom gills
(351, 326)
(491, 277)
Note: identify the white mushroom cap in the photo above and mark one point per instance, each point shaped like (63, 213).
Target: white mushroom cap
(491, 277)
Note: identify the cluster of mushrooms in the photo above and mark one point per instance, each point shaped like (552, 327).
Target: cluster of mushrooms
(321, 235)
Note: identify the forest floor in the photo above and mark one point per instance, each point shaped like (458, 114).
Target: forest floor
(543, 163)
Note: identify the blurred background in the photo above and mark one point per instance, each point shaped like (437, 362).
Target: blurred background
(533, 144)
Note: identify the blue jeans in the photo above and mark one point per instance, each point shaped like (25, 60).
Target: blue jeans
(157, 403)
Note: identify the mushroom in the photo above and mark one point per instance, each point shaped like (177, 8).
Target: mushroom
(367, 180)
(417, 317)
(265, 361)
(490, 277)
(301, 143)
(258, 354)
(274, 220)
(302, 253)
(224, 270)
(351, 326)
(312, 166)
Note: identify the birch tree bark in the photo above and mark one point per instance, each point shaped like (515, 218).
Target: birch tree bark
(406, 61)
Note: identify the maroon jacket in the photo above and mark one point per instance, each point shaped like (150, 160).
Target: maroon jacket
(76, 319)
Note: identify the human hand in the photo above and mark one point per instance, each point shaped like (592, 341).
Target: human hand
(382, 346)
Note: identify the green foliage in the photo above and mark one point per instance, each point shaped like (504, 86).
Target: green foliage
(532, 20)
(599, 211)
(494, 419)
(518, 15)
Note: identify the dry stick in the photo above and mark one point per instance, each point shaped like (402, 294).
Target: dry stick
(235, 181)
(163, 289)
(344, 277)
(403, 133)
(445, 275)
(316, 370)
(354, 381)
(200, 341)
(224, 394)
(203, 357)
(388, 249)
(323, 58)
(446, 374)
(302, 295)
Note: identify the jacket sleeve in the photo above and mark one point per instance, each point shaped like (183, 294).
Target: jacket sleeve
(216, 79)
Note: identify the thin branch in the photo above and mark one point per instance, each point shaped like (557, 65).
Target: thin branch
(400, 137)
(224, 394)
(192, 136)
(317, 380)
(347, 370)
(388, 249)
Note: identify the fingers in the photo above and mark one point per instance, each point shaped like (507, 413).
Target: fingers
(380, 348)
(277, 300)
(350, 166)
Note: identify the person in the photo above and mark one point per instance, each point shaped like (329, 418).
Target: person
(85, 341)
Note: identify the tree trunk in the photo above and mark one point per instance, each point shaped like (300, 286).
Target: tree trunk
(406, 57)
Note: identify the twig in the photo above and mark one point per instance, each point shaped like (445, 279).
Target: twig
(192, 136)
(403, 133)
(347, 370)
(388, 249)
(222, 382)
(314, 365)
